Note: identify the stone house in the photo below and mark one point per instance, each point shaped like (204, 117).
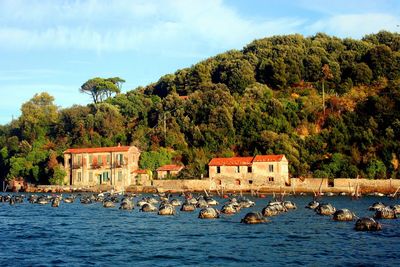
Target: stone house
(101, 166)
(142, 177)
(261, 170)
(167, 171)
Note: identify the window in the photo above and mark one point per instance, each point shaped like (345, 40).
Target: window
(218, 169)
(108, 159)
(91, 159)
(90, 177)
(79, 177)
(120, 159)
(271, 168)
(270, 179)
(237, 182)
(237, 170)
(79, 160)
(99, 159)
(250, 181)
(106, 177)
(120, 176)
(249, 169)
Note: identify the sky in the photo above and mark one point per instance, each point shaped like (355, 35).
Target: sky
(56, 46)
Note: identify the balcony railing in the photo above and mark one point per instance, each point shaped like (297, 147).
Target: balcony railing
(119, 164)
(96, 166)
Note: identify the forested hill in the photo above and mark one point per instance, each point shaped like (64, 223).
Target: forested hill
(265, 99)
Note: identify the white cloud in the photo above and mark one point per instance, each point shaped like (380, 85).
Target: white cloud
(145, 26)
(355, 25)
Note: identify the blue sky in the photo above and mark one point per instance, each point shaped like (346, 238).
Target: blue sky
(55, 46)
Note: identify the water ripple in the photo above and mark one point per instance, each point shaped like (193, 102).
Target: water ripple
(90, 235)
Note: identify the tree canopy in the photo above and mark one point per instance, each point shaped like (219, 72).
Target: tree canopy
(101, 89)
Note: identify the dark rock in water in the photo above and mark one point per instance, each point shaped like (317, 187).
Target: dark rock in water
(55, 202)
(367, 224)
(147, 207)
(86, 200)
(386, 213)
(343, 215)
(19, 199)
(246, 203)
(396, 208)
(126, 204)
(312, 205)
(269, 211)
(166, 209)
(289, 205)
(274, 208)
(253, 218)
(201, 203)
(211, 202)
(176, 202)
(188, 207)
(69, 200)
(377, 206)
(325, 209)
(108, 204)
(208, 213)
(229, 209)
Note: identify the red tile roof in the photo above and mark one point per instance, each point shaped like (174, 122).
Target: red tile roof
(97, 149)
(140, 171)
(244, 161)
(170, 167)
(267, 158)
(235, 161)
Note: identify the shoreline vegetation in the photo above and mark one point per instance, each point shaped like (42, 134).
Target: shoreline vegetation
(330, 105)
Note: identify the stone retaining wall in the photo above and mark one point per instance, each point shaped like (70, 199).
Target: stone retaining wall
(297, 185)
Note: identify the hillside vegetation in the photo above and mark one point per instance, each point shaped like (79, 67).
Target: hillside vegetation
(331, 105)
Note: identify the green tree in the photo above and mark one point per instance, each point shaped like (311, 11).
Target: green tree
(58, 176)
(376, 170)
(38, 116)
(151, 160)
(100, 89)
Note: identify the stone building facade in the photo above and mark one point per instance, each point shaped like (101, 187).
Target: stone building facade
(112, 166)
(169, 170)
(261, 170)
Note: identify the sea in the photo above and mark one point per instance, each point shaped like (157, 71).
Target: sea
(91, 235)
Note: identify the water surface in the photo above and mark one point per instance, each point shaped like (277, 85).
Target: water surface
(86, 235)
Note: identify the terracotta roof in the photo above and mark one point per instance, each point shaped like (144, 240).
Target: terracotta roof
(97, 149)
(170, 167)
(267, 158)
(244, 161)
(235, 161)
(140, 171)
(184, 97)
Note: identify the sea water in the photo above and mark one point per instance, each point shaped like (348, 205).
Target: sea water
(90, 235)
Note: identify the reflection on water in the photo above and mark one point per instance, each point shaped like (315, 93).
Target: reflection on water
(76, 235)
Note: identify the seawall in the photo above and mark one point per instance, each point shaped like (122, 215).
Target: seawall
(307, 185)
